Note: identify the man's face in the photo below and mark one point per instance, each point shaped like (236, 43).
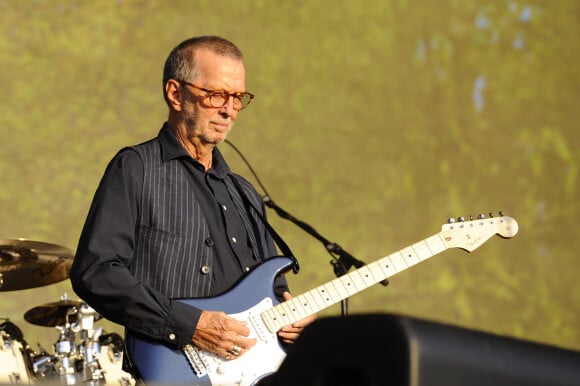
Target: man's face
(212, 124)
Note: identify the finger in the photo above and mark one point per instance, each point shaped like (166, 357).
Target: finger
(237, 326)
(304, 322)
(288, 337)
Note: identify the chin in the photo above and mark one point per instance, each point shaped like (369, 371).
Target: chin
(218, 138)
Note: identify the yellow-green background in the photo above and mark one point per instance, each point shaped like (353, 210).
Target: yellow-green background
(365, 125)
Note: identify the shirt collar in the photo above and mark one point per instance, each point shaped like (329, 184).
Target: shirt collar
(172, 149)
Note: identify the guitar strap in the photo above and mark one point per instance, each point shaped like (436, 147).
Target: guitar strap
(277, 238)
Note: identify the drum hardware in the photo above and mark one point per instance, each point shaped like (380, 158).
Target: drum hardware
(61, 313)
(13, 355)
(29, 264)
(90, 346)
(44, 364)
(111, 359)
(82, 354)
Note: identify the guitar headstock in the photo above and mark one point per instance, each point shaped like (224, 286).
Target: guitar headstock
(469, 235)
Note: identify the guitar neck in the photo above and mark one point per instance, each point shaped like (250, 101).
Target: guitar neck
(347, 285)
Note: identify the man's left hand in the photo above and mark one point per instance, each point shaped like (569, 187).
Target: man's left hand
(290, 332)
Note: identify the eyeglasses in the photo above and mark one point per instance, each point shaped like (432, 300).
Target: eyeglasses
(219, 98)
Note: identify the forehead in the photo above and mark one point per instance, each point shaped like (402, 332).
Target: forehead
(220, 72)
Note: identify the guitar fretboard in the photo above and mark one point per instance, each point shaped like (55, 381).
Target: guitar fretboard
(347, 285)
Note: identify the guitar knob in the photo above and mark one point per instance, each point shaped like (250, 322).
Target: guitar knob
(481, 216)
(490, 215)
(461, 219)
(450, 220)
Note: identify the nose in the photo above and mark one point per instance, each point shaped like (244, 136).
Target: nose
(228, 110)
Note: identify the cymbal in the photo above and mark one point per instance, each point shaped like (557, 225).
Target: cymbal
(28, 264)
(55, 314)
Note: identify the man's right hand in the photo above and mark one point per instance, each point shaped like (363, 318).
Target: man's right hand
(221, 334)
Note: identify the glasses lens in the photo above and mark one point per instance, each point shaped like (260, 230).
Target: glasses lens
(218, 99)
(244, 100)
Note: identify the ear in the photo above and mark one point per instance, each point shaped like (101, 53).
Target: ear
(174, 94)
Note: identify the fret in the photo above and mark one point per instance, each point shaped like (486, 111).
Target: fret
(332, 291)
(340, 289)
(436, 244)
(297, 301)
(347, 284)
(366, 276)
(398, 261)
(324, 296)
(269, 319)
(408, 254)
(422, 251)
(294, 310)
(286, 314)
(376, 271)
(307, 304)
(357, 280)
(387, 267)
(312, 301)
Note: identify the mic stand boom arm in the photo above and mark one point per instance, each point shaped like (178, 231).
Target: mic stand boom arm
(343, 261)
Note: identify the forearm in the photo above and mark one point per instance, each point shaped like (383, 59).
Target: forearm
(113, 292)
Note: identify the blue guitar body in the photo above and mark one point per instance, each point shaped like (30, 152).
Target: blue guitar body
(159, 363)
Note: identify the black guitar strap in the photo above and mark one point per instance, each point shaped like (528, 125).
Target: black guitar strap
(277, 238)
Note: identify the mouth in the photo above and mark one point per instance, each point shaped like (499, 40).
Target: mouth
(221, 126)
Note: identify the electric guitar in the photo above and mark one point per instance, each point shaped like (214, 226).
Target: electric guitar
(253, 300)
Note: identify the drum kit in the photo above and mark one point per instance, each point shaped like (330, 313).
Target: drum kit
(82, 353)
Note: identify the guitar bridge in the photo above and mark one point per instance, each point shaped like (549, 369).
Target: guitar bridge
(195, 360)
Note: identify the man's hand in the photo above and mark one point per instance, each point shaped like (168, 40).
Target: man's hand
(221, 334)
(290, 332)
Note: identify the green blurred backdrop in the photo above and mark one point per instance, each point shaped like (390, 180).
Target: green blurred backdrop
(373, 122)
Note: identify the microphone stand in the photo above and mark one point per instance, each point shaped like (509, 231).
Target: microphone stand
(343, 261)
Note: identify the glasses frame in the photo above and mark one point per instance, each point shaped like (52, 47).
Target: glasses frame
(224, 94)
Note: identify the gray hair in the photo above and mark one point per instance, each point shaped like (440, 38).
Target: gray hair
(180, 63)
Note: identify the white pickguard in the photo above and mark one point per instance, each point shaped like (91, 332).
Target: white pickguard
(261, 360)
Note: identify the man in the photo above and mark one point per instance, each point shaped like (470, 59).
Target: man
(169, 220)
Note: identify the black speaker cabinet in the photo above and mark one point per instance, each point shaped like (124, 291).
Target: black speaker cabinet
(386, 349)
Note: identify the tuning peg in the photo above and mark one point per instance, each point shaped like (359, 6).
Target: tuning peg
(481, 216)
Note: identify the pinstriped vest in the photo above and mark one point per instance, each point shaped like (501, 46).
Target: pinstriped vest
(172, 236)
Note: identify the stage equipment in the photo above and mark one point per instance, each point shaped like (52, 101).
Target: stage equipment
(82, 354)
(386, 349)
(28, 264)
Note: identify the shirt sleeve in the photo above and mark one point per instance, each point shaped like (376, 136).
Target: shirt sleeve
(100, 273)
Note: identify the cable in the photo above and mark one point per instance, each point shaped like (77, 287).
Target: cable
(251, 169)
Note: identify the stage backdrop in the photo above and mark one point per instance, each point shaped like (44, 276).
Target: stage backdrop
(373, 122)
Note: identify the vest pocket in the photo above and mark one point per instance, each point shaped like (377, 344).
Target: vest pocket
(157, 255)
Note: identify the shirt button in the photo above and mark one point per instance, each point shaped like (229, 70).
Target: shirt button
(247, 269)
(209, 242)
(205, 269)
(234, 240)
(224, 207)
(172, 336)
